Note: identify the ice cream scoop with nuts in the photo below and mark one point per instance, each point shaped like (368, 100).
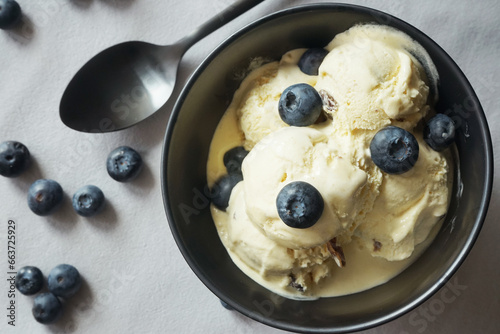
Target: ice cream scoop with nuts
(325, 168)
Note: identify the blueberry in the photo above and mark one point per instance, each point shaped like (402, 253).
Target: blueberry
(439, 132)
(47, 308)
(234, 158)
(10, 13)
(226, 305)
(311, 60)
(29, 280)
(44, 196)
(299, 204)
(124, 163)
(222, 190)
(394, 150)
(300, 105)
(64, 281)
(88, 200)
(14, 158)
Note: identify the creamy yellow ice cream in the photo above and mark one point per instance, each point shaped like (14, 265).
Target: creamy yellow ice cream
(301, 154)
(372, 221)
(374, 79)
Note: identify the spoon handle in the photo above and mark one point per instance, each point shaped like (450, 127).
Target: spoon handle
(217, 21)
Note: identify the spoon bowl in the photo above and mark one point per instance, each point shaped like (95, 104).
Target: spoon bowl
(129, 82)
(120, 87)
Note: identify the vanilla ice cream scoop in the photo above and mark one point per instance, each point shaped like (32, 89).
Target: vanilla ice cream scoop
(301, 154)
(408, 206)
(373, 78)
(266, 258)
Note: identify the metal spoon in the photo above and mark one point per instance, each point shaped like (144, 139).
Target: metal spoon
(129, 82)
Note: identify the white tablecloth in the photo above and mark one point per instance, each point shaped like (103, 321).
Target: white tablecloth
(136, 280)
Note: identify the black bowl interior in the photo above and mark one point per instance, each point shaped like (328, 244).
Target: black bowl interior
(193, 122)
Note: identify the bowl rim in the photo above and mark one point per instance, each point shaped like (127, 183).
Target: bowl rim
(461, 256)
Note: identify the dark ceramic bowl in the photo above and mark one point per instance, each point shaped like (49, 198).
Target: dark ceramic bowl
(194, 119)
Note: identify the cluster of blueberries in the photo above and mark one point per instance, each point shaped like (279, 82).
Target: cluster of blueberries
(393, 149)
(45, 195)
(222, 188)
(63, 282)
(10, 14)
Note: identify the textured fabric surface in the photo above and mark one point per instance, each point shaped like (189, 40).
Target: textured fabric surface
(136, 280)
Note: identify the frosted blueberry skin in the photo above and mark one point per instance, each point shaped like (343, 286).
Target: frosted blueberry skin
(10, 13)
(44, 196)
(439, 132)
(311, 60)
(394, 150)
(221, 190)
(47, 308)
(29, 280)
(64, 281)
(88, 200)
(300, 105)
(14, 158)
(299, 204)
(124, 164)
